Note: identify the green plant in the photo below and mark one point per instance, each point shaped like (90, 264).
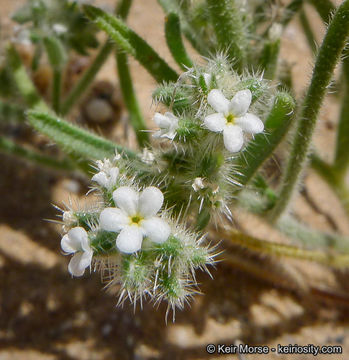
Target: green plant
(224, 119)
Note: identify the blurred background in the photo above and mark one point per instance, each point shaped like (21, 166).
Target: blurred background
(45, 314)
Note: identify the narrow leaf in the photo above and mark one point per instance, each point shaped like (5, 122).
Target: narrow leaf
(130, 99)
(175, 43)
(12, 148)
(133, 44)
(74, 139)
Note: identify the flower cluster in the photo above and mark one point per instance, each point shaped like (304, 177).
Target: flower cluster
(132, 242)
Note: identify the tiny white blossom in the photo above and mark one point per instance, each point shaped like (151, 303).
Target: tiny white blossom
(108, 173)
(232, 118)
(147, 156)
(168, 124)
(134, 218)
(76, 242)
(59, 29)
(207, 78)
(198, 184)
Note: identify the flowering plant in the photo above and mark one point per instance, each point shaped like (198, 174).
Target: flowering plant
(217, 125)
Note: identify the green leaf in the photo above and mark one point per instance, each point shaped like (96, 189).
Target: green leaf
(175, 43)
(227, 21)
(130, 42)
(23, 82)
(190, 31)
(55, 52)
(74, 139)
(130, 99)
(263, 145)
(12, 148)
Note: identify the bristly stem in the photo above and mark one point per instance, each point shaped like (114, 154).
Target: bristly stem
(341, 162)
(226, 18)
(324, 8)
(329, 54)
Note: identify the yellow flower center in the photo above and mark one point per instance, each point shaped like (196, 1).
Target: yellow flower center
(135, 219)
(230, 119)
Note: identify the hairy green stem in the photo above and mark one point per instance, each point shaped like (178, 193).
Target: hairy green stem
(12, 148)
(341, 162)
(129, 96)
(329, 55)
(227, 22)
(281, 250)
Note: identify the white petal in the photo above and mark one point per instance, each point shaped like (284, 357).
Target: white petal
(218, 101)
(233, 138)
(72, 242)
(162, 121)
(207, 78)
(130, 239)
(113, 219)
(150, 201)
(215, 122)
(79, 262)
(156, 229)
(113, 175)
(240, 103)
(126, 199)
(101, 179)
(66, 245)
(250, 123)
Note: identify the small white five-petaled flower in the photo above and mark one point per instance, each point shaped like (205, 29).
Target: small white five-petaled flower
(76, 242)
(232, 118)
(168, 124)
(134, 217)
(107, 175)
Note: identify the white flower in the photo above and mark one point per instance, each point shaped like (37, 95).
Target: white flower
(59, 29)
(232, 118)
(147, 156)
(76, 242)
(168, 124)
(107, 175)
(134, 217)
(207, 78)
(198, 184)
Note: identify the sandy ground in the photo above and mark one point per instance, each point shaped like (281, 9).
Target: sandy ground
(47, 315)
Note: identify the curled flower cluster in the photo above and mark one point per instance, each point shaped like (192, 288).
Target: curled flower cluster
(134, 244)
(132, 237)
